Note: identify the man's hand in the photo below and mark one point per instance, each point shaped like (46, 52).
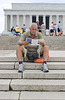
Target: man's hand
(23, 43)
(41, 43)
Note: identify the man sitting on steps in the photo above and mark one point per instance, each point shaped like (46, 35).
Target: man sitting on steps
(23, 45)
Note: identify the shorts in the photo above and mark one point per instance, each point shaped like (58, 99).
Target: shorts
(38, 51)
(51, 31)
(58, 30)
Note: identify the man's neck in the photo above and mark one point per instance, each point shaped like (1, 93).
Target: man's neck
(33, 35)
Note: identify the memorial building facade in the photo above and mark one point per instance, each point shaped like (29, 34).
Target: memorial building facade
(26, 13)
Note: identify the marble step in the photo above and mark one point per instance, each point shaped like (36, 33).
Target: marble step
(9, 95)
(37, 66)
(10, 74)
(7, 65)
(12, 59)
(32, 74)
(4, 84)
(38, 74)
(42, 96)
(32, 66)
(8, 59)
(37, 84)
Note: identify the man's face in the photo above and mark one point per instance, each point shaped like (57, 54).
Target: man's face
(33, 30)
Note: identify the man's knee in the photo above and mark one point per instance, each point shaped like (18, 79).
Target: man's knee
(46, 47)
(19, 47)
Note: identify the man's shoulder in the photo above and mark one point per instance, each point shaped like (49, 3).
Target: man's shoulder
(38, 33)
(26, 33)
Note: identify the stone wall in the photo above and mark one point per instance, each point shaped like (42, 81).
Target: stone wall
(54, 42)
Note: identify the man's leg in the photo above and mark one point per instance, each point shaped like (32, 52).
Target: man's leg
(19, 53)
(45, 52)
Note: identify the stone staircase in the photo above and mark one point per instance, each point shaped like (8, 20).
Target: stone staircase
(32, 84)
(54, 42)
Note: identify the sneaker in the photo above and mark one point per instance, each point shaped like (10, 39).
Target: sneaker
(21, 68)
(44, 68)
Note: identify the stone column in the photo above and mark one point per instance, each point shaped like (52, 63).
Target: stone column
(30, 20)
(23, 19)
(18, 20)
(57, 19)
(11, 21)
(64, 24)
(44, 19)
(50, 21)
(37, 18)
(5, 26)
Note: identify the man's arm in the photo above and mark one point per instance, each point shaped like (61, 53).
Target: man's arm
(42, 43)
(22, 40)
(23, 43)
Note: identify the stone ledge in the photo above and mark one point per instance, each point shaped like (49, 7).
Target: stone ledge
(37, 66)
(4, 84)
(32, 66)
(9, 95)
(7, 65)
(35, 84)
(38, 74)
(42, 96)
(10, 74)
(54, 42)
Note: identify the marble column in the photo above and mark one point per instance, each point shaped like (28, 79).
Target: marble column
(64, 24)
(18, 20)
(5, 27)
(44, 19)
(30, 20)
(11, 21)
(23, 19)
(37, 18)
(57, 19)
(50, 21)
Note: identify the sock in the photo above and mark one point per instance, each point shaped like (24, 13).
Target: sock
(45, 62)
(20, 62)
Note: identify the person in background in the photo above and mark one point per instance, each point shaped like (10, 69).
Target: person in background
(38, 26)
(55, 27)
(18, 30)
(52, 30)
(43, 28)
(59, 28)
(24, 28)
(13, 30)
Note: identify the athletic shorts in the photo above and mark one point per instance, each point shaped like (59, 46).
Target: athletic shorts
(58, 30)
(38, 51)
(51, 31)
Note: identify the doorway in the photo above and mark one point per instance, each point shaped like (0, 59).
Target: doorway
(47, 22)
(33, 19)
(40, 20)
